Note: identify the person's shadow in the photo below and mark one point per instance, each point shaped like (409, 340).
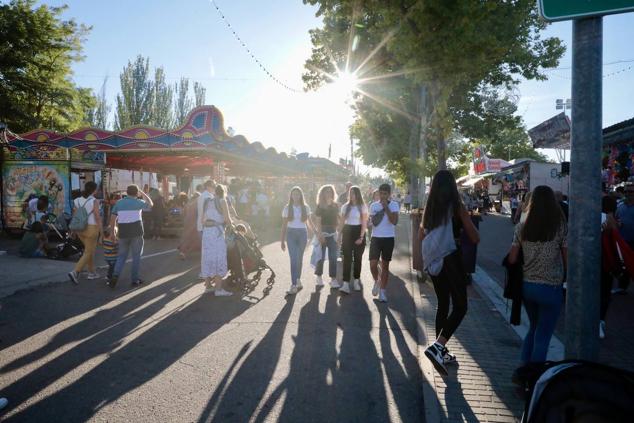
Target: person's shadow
(149, 354)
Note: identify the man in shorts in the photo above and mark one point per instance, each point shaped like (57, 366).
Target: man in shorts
(382, 242)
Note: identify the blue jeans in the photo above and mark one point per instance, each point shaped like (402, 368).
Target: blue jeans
(331, 244)
(296, 240)
(543, 304)
(127, 245)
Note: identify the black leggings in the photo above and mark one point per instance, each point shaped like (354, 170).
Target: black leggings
(450, 283)
(351, 251)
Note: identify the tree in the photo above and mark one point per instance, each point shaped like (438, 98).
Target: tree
(135, 102)
(98, 115)
(162, 106)
(183, 103)
(37, 51)
(427, 43)
(199, 94)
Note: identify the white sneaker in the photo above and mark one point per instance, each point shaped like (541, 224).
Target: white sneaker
(222, 293)
(334, 283)
(345, 288)
(382, 296)
(357, 285)
(93, 276)
(298, 284)
(209, 290)
(435, 354)
(319, 281)
(73, 276)
(602, 329)
(293, 290)
(375, 288)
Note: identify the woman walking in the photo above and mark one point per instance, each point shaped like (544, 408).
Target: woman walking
(190, 239)
(542, 239)
(354, 218)
(444, 219)
(90, 234)
(326, 221)
(213, 259)
(295, 227)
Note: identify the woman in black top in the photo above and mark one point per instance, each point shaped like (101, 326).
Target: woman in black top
(444, 204)
(326, 221)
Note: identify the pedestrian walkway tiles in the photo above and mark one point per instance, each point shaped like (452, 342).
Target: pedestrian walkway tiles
(479, 388)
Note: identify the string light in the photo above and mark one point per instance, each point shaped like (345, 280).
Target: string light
(248, 50)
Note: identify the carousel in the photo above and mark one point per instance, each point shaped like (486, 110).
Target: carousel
(43, 162)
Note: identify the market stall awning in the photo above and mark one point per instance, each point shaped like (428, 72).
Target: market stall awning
(190, 149)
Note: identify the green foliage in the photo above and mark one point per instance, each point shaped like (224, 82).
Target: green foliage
(134, 103)
(98, 115)
(199, 94)
(37, 51)
(162, 107)
(462, 51)
(183, 103)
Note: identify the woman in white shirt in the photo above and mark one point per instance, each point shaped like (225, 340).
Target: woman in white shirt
(90, 234)
(295, 226)
(354, 219)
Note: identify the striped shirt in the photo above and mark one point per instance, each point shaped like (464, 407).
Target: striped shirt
(129, 216)
(110, 250)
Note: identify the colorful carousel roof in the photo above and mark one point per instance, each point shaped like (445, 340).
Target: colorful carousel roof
(193, 148)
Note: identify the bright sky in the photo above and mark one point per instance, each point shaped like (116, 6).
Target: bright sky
(188, 38)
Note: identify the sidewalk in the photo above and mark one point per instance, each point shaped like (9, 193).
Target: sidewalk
(479, 388)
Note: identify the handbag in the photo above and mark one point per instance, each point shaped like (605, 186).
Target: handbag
(378, 218)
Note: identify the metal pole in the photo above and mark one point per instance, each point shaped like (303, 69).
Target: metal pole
(584, 257)
(422, 144)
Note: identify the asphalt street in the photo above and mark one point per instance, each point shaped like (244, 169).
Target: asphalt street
(167, 352)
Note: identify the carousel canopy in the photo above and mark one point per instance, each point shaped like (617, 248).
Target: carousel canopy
(190, 149)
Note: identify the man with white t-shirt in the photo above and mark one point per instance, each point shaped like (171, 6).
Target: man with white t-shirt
(384, 215)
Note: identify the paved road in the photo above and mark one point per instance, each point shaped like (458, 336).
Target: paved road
(166, 352)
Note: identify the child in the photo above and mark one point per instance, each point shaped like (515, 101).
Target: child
(110, 251)
(33, 242)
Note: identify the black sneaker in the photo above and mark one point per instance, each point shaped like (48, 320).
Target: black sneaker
(137, 282)
(112, 283)
(435, 355)
(447, 357)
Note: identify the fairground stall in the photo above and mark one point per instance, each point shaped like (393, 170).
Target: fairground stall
(618, 153)
(201, 147)
(37, 163)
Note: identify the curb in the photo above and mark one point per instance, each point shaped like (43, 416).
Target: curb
(431, 404)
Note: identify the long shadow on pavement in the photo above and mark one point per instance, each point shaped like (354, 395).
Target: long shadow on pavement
(137, 362)
(50, 305)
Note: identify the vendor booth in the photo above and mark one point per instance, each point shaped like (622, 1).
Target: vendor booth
(618, 153)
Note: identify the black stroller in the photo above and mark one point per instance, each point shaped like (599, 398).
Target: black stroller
(69, 246)
(578, 391)
(244, 257)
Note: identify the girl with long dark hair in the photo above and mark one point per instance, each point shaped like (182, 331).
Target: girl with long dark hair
(295, 227)
(353, 225)
(542, 239)
(444, 218)
(326, 221)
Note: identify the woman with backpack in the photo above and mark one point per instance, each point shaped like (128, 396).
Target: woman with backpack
(295, 227)
(542, 240)
(213, 257)
(444, 219)
(354, 221)
(86, 223)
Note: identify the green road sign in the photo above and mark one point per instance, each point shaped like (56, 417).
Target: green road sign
(561, 10)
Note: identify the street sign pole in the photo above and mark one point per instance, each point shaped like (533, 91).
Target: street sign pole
(584, 231)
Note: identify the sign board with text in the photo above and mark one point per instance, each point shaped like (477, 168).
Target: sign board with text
(561, 10)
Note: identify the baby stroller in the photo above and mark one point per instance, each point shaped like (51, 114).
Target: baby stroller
(578, 391)
(244, 258)
(69, 246)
